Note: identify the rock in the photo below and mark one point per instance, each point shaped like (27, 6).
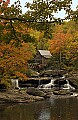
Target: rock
(35, 92)
(37, 98)
(52, 73)
(61, 92)
(18, 96)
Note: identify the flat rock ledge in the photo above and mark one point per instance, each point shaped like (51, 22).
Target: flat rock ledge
(18, 96)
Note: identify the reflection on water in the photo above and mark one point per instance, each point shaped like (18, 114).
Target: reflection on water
(44, 115)
(50, 109)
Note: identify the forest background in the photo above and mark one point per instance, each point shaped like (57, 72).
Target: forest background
(22, 34)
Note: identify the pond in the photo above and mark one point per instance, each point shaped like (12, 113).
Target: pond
(50, 109)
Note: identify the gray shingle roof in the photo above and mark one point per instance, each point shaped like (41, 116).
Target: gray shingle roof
(45, 53)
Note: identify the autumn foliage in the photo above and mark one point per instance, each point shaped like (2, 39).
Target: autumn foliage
(14, 60)
(67, 45)
(21, 35)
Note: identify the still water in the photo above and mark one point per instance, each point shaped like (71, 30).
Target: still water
(50, 109)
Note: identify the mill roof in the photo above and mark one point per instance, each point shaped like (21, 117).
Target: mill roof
(45, 53)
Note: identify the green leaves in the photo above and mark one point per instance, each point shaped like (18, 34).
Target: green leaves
(13, 11)
(27, 38)
(43, 10)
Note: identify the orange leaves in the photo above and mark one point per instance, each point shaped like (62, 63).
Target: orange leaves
(14, 60)
(6, 31)
(66, 43)
(1, 54)
(59, 42)
(22, 28)
(53, 47)
(21, 75)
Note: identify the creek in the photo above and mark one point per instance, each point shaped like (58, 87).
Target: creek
(54, 108)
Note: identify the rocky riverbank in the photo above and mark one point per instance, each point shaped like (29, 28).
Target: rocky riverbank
(18, 96)
(31, 95)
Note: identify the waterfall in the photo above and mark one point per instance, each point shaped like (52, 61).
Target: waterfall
(47, 86)
(64, 85)
(15, 83)
(68, 86)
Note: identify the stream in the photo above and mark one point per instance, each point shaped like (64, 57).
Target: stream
(50, 109)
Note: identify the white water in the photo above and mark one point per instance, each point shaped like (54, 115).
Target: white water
(46, 86)
(68, 86)
(50, 85)
(14, 83)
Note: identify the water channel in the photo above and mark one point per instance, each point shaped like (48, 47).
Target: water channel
(50, 109)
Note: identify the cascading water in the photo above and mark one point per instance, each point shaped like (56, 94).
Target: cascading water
(68, 86)
(15, 83)
(61, 83)
(47, 86)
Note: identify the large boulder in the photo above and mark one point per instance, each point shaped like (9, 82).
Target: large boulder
(36, 92)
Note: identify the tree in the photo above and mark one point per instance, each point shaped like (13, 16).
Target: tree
(14, 60)
(73, 15)
(17, 42)
(40, 15)
(64, 46)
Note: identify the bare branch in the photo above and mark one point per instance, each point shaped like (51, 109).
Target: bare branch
(32, 21)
